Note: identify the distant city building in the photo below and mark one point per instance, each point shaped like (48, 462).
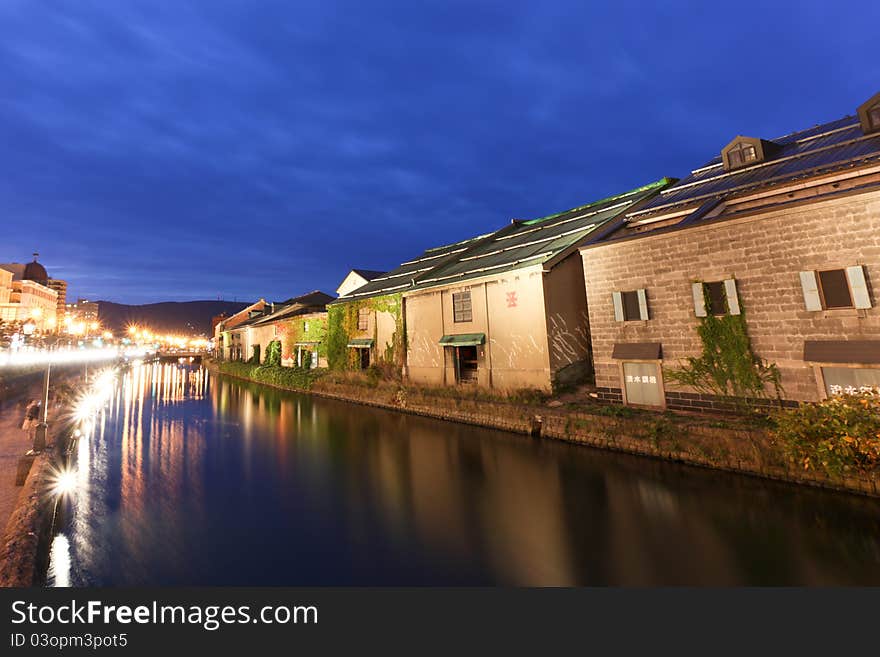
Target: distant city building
(84, 310)
(5, 286)
(28, 297)
(60, 288)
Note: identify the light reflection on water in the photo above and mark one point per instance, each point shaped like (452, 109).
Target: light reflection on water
(187, 479)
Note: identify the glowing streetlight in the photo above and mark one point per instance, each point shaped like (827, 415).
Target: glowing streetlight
(63, 482)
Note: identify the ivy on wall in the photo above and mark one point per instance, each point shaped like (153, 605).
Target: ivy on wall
(293, 331)
(727, 366)
(342, 327)
(273, 354)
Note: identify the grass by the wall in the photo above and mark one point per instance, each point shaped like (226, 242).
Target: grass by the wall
(275, 375)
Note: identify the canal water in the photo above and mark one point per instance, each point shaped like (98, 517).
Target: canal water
(191, 479)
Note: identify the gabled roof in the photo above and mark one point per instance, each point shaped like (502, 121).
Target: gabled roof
(313, 302)
(368, 274)
(822, 149)
(537, 241)
(241, 316)
(402, 277)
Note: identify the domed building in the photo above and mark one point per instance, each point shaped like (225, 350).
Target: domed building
(30, 297)
(34, 271)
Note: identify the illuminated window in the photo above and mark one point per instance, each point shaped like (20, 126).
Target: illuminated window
(741, 154)
(461, 306)
(363, 319)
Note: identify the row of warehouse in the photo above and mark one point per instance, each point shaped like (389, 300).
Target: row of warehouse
(754, 271)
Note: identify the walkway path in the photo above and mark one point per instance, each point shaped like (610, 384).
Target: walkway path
(14, 442)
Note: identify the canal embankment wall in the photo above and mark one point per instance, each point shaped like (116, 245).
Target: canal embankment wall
(24, 552)
(699, 441)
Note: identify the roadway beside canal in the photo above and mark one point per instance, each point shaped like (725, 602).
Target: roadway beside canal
(725, 443)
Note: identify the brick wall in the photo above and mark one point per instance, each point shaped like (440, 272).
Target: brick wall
(764, 253)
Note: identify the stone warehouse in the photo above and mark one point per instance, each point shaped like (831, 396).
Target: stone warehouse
(298, 325)
(780, 237)
(509, 311)
(367, 323)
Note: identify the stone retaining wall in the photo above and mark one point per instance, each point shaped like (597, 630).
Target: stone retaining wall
(24, 552)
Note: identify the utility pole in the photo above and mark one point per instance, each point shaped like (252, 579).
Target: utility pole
(42, 427)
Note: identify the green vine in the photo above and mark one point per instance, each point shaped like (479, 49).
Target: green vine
(293, 332)
(273, 354)
(342, 327)
(727, 366)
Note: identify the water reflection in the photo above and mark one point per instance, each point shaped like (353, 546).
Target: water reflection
(191, 480)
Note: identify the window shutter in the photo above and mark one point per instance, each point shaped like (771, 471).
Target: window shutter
(643, 304)
(732, 296)
(859, 287)
(811, 290)
(699, 299)
(617, 298)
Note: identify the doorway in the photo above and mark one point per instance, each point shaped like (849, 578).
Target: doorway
(466, 364)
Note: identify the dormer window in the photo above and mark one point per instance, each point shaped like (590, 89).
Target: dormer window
(741, 154)
(745, 151)
(869, 114)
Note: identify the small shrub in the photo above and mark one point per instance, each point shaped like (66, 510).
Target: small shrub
(838, 435)
(283, 377)
(613, 410)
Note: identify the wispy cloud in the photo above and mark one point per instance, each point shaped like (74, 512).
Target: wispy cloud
(167, 150)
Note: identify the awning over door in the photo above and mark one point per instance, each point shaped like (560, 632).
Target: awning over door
(842, 351)
(636, 351)
(463, 340)
(361, 343)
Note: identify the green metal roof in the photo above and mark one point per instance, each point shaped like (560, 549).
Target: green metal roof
(402, 277)
(519, 244)
(463, 340)
(537, 241)
(361, 343)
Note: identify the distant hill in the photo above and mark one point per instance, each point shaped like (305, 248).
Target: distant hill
(168, 317)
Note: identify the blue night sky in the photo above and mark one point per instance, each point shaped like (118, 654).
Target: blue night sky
(189, 150)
